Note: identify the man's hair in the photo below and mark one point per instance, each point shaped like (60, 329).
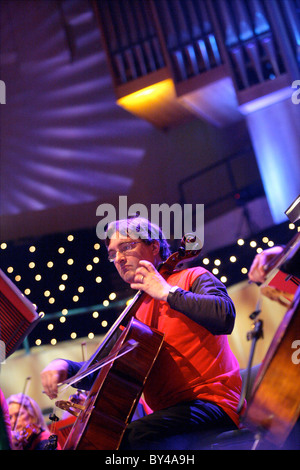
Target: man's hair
(138, 228)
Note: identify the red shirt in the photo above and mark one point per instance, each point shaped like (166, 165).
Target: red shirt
(193, 363)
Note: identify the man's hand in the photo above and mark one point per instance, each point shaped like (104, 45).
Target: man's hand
(148, 279)
(257, 271)
(55, 373)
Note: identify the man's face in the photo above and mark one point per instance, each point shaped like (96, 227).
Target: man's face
(128, 253)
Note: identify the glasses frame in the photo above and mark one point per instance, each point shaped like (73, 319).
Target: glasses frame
(124, 249)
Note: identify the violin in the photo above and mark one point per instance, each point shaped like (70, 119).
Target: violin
(25, 437)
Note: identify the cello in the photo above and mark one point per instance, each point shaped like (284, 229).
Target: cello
(102, 420)
(274, 405)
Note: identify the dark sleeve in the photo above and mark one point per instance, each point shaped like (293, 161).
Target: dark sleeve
(207, 303)
(84, 384)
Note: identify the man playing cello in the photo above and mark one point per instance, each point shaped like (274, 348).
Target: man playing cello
(194, 386)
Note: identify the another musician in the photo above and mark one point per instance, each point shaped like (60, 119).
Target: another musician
(195, 384)
(5, 428)
(258, 275)
(29, 430)
(257, 272)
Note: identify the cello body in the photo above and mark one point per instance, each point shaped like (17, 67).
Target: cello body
(116, 391)
(274, 406)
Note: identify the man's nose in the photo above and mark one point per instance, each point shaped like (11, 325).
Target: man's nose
(119, 256)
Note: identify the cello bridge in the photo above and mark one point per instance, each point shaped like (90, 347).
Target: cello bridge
(72, 408)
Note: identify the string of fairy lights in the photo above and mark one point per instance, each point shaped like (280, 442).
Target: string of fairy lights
(79, 294)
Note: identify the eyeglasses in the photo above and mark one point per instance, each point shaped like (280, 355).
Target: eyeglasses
(124, 249)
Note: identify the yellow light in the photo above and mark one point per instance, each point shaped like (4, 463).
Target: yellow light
(10, 269)
(31, 265)
(240, 241)
(292, 226)
(89, 267)
(18, 278)
(105, 303)
(146, 95)
(64, 277)
(62, 319)
(270, 243)
(97, 246)
(73, 335)
(80, 289)
(61, 250)
(50, 326)
(98, 279)
(51, 300)
(47, 293)
(244, 270)
(205, 261)
(38, 277)
(50, 264)
(32, 249)
(259, 250)
(53, 341)
(96, 259)
(153, 101)
(253, 244)
(27, 291)
(38, 342)
(70, 261)
(217, 262)
(232, 259)
(91, 335)
(3, 246)
(75, 298)
(64, 311)
(112, 296)
(265, 239)
(95, 314)
(215, 271)
(223, 279)
(104, 323)
(62, 287)
(70, 238)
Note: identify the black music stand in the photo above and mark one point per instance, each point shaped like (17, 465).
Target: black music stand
(18, 315)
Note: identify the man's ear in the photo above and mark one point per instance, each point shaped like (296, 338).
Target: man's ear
(155, 247)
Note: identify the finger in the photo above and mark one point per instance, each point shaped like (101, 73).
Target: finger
(137, 286)
(139, 280)
(146, 264)
(141, 272)
(49, 381)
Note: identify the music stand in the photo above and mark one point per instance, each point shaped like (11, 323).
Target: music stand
(18, 315)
